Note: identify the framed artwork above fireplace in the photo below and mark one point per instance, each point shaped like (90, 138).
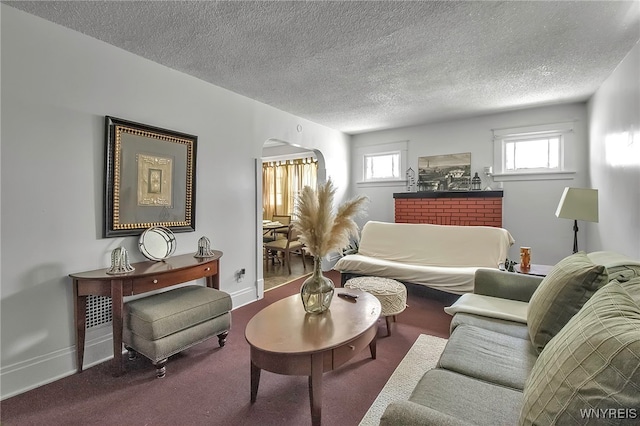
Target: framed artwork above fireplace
(450, 172)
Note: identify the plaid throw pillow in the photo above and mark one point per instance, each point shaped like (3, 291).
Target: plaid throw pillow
(560, 296)
(589, 373)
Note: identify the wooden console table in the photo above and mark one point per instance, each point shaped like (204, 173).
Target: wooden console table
(147, 276)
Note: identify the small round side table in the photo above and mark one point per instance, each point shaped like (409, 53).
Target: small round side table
(392, 295)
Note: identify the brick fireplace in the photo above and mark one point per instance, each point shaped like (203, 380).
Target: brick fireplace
(465, 208)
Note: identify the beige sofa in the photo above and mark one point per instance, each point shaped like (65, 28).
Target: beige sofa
(575, 355)
(443, 257)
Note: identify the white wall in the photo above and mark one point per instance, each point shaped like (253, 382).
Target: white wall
(614, 132)
(57, 86)
(528, 206)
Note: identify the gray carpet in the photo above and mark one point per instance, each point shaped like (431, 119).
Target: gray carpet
(422, 356)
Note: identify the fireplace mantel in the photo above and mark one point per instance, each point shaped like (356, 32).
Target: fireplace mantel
(466, 208)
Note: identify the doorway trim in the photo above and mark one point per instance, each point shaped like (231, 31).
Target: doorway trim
(322, 177)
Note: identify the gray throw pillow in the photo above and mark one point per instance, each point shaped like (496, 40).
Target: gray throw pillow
(589, 373)
(561, 294)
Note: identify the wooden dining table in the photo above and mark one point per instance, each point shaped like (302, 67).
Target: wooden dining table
(271, 228)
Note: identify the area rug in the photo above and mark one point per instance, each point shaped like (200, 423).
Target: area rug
(422, 356)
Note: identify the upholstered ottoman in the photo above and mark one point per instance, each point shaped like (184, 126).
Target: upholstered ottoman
(164, 324)
(391, 294)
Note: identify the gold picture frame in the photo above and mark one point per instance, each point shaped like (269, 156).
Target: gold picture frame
(149, 180)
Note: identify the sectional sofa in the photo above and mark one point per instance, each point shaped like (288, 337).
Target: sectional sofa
(530, 351)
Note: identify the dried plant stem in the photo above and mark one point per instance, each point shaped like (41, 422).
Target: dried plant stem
(320, 229)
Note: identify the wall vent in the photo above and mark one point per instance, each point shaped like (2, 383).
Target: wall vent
(98, 311)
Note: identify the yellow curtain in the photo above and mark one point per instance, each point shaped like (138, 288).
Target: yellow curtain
(282, 181)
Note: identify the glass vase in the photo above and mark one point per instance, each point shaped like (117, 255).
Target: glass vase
(317, 290)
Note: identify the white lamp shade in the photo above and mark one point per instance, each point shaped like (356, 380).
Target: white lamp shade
(579, 204)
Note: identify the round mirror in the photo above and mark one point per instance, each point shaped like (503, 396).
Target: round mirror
(157, 243)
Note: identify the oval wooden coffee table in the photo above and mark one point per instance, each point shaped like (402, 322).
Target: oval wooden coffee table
(284, 339)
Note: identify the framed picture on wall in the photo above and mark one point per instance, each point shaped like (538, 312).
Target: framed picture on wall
(450, 172)
(149, 180)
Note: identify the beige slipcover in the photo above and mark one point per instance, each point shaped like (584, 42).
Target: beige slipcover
(444, 257)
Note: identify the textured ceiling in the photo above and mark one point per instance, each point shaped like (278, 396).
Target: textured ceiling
(358, 66)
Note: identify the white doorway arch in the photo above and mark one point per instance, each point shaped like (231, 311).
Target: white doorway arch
(322, 177)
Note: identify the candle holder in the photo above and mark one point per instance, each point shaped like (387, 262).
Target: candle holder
(476, 183)
(411, 179)
(525, 258)
(204, 248)
(488, 172)
(120, 262)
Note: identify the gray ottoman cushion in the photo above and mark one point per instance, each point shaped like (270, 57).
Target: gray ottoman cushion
(487, 355)
(468, 399)
(160, 315)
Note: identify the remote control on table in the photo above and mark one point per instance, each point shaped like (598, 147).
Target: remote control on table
(348, 296)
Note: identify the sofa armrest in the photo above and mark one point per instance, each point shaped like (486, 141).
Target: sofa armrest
(507, 285)
(410, 413)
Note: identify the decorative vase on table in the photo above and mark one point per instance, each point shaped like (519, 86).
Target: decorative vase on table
(317, 290)
(322, 232)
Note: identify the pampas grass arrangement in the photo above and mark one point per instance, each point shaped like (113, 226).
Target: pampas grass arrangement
(320, 229)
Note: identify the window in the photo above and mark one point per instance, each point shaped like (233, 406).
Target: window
(380, 164)
(384, 166)
(534, 152)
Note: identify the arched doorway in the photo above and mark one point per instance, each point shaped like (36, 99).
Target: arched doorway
(275, 148)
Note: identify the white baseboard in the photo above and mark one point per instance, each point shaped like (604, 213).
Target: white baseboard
(247, 295)
(35, 372)
(32, 373)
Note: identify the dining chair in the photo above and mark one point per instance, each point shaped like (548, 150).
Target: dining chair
(283, 219)
(286, 246)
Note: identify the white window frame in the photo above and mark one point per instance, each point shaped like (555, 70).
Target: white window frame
(502, 137)
(383, 179)
(359, 151)
(530, 138)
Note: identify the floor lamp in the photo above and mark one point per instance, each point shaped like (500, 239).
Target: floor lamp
(578, 204)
